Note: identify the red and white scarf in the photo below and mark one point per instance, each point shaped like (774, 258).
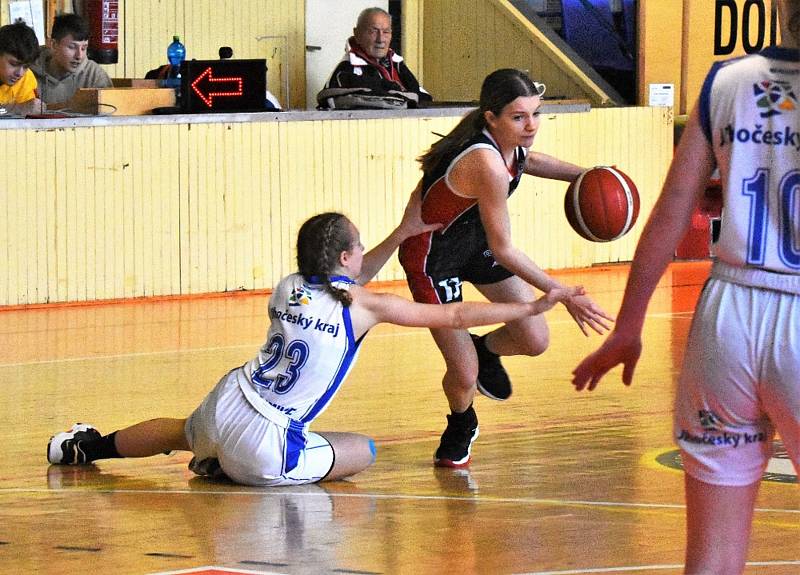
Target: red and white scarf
(392, 74)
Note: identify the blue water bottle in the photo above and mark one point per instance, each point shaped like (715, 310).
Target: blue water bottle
(176, 53)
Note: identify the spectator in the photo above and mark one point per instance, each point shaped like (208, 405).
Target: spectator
(18, 49)
(63, 68)
(371, 74)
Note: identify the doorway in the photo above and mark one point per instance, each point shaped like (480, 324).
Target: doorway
(326, 33)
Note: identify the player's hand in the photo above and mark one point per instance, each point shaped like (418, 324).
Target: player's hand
(588, 314)
(412, 224)
(557, 295)
(617, 348)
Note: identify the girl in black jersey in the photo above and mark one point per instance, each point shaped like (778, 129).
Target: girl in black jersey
(468, 176)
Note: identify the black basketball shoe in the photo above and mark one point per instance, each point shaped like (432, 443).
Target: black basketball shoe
(493, 381)
(457, 439)
(65, 448)
(208, 467)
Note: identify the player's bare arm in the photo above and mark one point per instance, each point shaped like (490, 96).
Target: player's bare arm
(370, 308)
(546, 166)
(667, 224)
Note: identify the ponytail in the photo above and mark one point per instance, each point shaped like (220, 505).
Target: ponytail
(469, 125)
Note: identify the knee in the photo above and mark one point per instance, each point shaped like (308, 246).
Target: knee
(359, 449)
(373, 451)
(535, 344)
(462, 377)
(364, 451)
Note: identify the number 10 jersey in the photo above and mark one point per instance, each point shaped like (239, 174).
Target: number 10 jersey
(750, 112)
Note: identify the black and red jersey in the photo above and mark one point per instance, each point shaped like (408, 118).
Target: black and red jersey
(455, 250)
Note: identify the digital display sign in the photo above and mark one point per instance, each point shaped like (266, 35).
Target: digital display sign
(223, 86)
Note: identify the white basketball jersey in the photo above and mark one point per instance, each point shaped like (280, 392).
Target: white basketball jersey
(309, 351)
(750, 112)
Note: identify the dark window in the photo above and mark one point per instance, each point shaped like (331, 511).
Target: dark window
(396, 12)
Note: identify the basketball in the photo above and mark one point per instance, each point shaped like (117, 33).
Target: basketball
(602, 204)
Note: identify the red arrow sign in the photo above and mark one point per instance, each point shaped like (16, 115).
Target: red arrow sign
(205, 83)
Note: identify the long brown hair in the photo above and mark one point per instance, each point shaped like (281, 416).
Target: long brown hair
(499, 89)
(320, 242)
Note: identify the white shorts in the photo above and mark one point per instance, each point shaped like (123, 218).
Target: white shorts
(254, 442)
(740, 383)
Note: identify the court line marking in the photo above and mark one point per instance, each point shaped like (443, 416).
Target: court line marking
(207, 568)
(649, 568)
(410, 331)
(627, 569)
(392, 496)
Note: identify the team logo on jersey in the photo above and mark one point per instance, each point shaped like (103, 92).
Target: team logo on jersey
(714, 433)
(774, 97)
(709, 420)
(300, 296)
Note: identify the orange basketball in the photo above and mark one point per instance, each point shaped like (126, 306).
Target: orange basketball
(602, 204)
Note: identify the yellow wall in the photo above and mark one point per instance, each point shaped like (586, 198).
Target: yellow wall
(677, 44)
(143, 210)
(270, 29)
(698, 40)
(659, 60)
(467, 39)
(413, 45)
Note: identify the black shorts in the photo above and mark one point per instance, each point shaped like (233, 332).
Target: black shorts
(437, 264)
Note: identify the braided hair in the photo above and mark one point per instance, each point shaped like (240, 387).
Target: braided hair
(499, 89)
(320, 242)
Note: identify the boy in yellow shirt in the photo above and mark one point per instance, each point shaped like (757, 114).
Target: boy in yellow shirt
(18, 49)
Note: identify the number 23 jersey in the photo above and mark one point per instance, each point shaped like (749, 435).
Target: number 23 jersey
(309, 351)
(750, 112)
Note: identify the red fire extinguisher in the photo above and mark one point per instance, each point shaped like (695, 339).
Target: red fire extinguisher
(103, 19)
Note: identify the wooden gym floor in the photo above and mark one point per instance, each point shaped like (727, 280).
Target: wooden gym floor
(561, 483)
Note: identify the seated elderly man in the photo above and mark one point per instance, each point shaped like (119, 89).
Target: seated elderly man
(371, 74)
(62, 67)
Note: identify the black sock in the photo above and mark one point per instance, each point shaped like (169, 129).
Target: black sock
(103, 448)
(467, 416)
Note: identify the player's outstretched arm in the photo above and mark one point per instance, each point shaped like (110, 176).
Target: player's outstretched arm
(486, 177)
(546, 166)
(371, 308)
(690, 170)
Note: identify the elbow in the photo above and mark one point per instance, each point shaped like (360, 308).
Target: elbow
(504, 255)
